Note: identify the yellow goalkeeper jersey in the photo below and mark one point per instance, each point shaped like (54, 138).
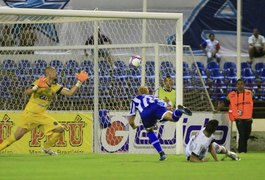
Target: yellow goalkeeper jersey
(40, 100)
(171, 95)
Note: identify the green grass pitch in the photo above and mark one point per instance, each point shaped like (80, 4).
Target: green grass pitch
(128, 166)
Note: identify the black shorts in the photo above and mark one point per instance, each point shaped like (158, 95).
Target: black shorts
(258, 53)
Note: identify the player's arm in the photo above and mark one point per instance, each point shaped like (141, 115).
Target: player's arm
(29, 91)
(82, 77)
(69, 92)
(131, 122)
(213, 152)
(132, 114)
(41, 83)
(168, 104)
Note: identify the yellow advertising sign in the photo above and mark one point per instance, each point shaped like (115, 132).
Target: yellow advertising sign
(77, 137)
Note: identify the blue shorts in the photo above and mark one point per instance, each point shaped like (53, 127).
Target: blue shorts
(151, 114)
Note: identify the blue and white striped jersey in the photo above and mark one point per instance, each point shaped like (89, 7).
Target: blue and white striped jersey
(142, 101)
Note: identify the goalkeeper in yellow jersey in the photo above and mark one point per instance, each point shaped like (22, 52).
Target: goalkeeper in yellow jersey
(168, 93)
(35, 115)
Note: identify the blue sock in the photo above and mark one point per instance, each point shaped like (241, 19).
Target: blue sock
(154, 141)
(176, 115)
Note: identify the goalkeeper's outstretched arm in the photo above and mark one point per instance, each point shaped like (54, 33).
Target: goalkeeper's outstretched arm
(69, 92)
(40, 83)
(82, 77)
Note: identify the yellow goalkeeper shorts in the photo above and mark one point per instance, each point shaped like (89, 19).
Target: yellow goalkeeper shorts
(43, 121)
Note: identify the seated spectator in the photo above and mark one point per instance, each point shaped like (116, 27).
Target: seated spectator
(211, 48)
(256, 45)
(27, 37)
(102, 39)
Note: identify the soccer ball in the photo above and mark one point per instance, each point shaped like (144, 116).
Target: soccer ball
(135, 61)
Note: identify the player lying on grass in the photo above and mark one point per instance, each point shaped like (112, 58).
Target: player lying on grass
(35, 115)
(199, 145)
(152, 109)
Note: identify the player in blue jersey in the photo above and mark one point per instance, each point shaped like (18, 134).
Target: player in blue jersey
(152, 109)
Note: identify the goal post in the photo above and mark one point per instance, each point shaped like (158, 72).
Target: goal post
(179, 81)
(58, 38)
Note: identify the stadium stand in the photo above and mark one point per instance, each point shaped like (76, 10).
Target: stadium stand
(216, 74)
(230, 74)
(186, 74)
(24, 64)
(229, 65)
(247, 73)
(212, 66)
(245, 65)
(150, 69)
(258, 67)
(200, 66)
(58, 65)
(9, 64)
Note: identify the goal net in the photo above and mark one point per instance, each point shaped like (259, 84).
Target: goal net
(31, 40)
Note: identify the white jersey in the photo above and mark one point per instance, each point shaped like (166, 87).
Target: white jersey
(199, 145)
(210, 46)
(257, 42)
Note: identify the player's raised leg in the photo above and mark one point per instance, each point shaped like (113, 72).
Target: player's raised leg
(177, 113)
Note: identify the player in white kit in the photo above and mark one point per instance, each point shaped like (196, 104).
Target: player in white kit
(200, 144)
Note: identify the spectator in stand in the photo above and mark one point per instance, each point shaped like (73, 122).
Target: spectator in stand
(27, 37)
(102, 39)
(256, 44)
(211, 48)
(7, 39)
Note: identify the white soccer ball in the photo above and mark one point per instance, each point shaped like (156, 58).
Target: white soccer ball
(135, 61)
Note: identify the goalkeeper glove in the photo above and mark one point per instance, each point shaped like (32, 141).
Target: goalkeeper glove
(82, 76)
(42, 83)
